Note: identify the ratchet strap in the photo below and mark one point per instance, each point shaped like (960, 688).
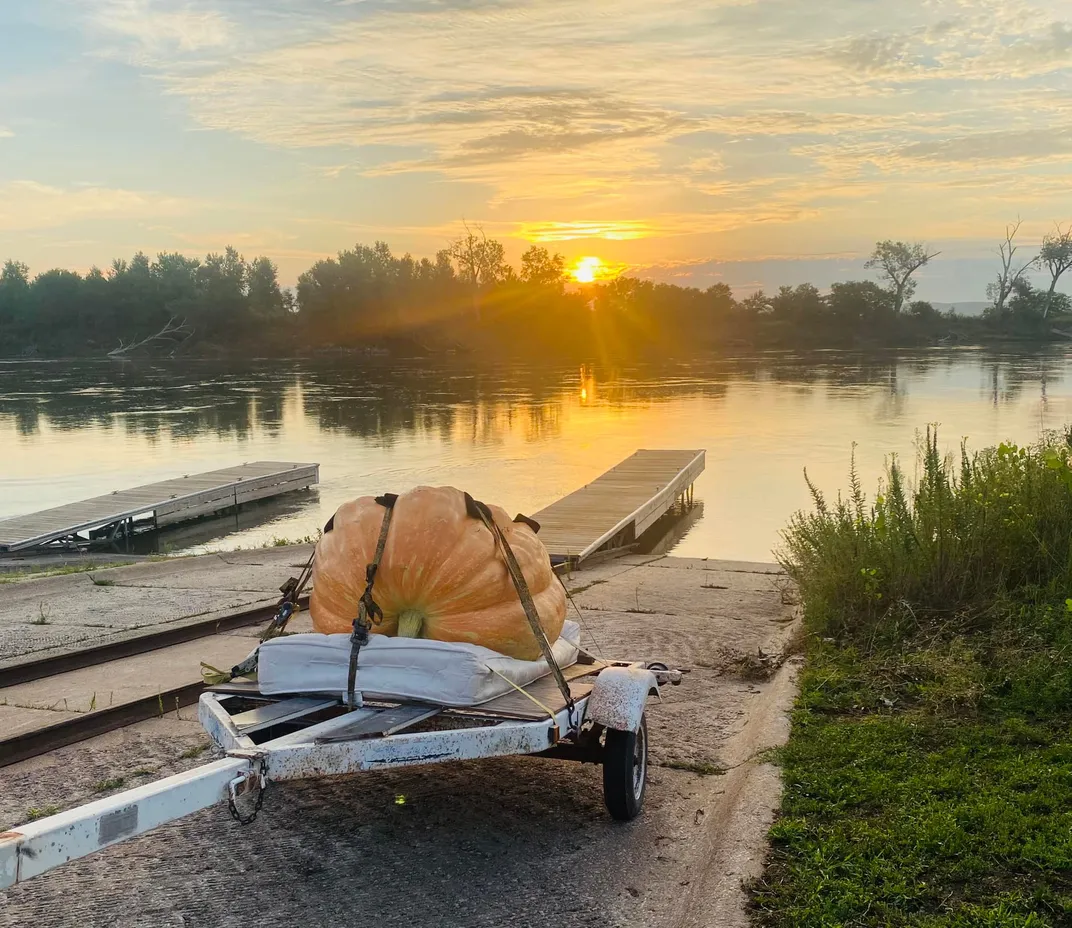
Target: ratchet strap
(368, 611)
(478, 510)
(288, 603)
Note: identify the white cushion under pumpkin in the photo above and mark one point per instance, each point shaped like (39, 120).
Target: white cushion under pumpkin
(441, 673)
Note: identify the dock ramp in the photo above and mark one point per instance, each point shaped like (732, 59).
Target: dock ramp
(617, 507)
(166, 502)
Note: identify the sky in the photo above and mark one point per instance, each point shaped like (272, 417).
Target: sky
(755, 142)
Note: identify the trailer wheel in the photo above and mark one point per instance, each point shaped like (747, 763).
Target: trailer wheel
(625, 771)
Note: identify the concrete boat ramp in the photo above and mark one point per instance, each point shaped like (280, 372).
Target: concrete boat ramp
(470, 844)
(510, 841)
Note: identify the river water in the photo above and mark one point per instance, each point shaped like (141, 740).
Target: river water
(520, 437)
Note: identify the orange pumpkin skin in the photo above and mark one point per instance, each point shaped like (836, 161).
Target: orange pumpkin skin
(442, 575)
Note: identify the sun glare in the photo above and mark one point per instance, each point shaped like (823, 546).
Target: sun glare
(586, 270)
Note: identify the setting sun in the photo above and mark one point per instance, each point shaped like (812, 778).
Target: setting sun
(586, 270)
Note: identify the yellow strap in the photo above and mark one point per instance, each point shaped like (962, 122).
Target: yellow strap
(523, 692)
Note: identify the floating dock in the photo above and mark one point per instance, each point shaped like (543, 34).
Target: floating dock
(615, 509)
(105, 518)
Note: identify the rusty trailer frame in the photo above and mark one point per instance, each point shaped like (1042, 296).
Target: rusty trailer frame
(272, 739)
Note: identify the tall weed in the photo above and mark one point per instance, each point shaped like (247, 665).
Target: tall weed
(942, 550)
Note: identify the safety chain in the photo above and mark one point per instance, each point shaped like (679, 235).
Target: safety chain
(259, 771)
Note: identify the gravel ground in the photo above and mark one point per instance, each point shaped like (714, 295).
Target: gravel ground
(514, 841)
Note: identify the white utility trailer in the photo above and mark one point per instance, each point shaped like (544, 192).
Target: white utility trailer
(268, 739)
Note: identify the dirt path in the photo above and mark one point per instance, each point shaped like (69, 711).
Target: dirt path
(489, 843)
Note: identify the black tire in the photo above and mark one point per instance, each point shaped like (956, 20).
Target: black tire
(625, 771)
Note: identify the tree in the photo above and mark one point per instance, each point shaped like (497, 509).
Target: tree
(758, 304)
(1011, 270)
(897, 262)
(177, 279)
(924, 312)
(1055, 258)
(55, 297)
(221, 293)
(481, 261)
(858, 301)
(801, 304)
(14, 293)
(265, 298)
(542, 269)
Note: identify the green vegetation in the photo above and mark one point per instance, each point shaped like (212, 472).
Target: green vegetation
(929, 771)
(16, 575)
(469, 299)
(703, 768)
(278, 541)
(111, 783)
(36, 812)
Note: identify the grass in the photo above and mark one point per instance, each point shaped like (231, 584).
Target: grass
(277, 541)
(36, 812)
(19, 575)
(700, 767)
(929, 770)
(111, 783)
(196, 751)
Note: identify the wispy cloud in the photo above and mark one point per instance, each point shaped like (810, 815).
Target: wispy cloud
(1005, 147)
(160, 26)
(27, 205)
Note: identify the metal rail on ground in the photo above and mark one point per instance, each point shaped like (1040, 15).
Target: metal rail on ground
(21, 746)
(39, 668)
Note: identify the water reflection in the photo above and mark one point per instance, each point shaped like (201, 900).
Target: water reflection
(520, 435)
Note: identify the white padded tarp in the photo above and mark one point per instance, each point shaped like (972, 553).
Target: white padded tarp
(441, 673)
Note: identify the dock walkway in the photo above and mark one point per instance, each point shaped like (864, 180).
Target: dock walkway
(167, 502)
(617, 507)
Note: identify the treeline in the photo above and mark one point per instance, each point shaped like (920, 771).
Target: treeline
(468, 298)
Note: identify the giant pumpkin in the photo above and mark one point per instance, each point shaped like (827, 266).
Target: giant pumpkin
(442, 575)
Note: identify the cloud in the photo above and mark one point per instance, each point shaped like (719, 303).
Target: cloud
(26, 205)
(156, 26)
(1039, 52)
(1005, 147)
(6, 133)
(621, 230)
(872, 54)
(637, 124)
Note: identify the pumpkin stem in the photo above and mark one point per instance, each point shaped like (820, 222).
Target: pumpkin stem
(410, 623)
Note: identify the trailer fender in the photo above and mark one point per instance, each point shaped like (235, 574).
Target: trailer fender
(619, 697)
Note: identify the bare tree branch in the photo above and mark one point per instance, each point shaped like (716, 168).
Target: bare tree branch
(173, 333)
(1007, 278)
